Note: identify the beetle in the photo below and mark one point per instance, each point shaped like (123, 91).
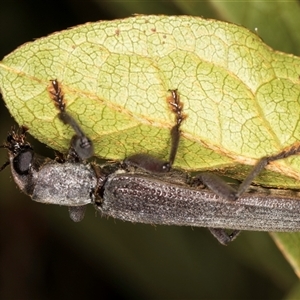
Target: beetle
(145, 189)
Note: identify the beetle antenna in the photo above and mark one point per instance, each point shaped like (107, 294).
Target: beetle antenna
(5, 164)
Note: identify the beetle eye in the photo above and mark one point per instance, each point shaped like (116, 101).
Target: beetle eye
(22, 162)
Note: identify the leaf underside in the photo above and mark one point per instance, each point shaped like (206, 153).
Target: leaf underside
(240, 96)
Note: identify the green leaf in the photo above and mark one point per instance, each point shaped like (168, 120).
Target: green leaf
(281, 17)
(241, 97)
(288, 243)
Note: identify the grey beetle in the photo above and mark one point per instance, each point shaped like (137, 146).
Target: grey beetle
(144, 189)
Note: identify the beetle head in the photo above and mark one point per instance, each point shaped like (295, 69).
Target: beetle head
(21, 156)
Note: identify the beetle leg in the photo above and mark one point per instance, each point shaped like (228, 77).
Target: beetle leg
(262, 163)
(81, 146)
(221, 188)
(153, 164)
(223, 236)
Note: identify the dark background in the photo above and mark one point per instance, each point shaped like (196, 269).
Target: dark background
(44, 255)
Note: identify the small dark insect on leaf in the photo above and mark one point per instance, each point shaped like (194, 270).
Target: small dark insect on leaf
(146, 189)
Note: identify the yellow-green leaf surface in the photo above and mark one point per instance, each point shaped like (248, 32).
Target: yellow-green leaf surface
(241, 97)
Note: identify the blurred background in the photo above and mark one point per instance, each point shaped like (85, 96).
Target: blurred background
(44, 255)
